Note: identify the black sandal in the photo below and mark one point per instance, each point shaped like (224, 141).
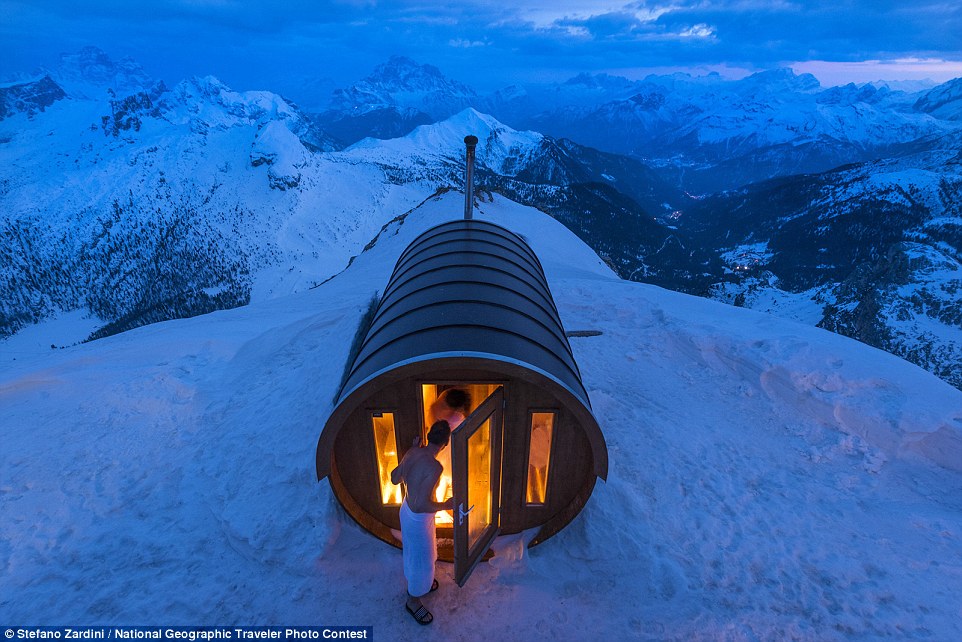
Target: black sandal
(421, 615)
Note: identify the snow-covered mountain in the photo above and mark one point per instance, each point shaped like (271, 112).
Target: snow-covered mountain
(616, 204)
(944, 101)
(396, 97)
(29, 97)
(712, 134)
(90, 73)
(873, 251)
(706, 133)
(171, 202)
(768, 480)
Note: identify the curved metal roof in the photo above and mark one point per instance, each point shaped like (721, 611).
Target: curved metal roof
(467, 287)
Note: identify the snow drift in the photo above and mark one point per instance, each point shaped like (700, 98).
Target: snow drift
(768, 480)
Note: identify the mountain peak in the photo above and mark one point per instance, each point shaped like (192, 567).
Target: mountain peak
(498, 144)
(852, 93)
(471, 117)
(205, 85)
(88, 57)
(403, 84)
(451, 131)
(207, 103)
(782, 79)
(401, 67)
(90, 72)
(599, 81)
(401, 73)
(944, 101)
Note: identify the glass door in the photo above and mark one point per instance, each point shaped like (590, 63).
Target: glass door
(476, 467)
(472, 393)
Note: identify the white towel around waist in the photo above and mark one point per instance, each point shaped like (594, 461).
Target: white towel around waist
(419, 549)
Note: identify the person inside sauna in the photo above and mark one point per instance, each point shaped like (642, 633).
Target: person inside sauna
(452, 406)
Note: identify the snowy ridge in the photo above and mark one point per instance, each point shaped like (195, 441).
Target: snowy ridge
(88, 209)
(944, 101)
(29, 97)
(768, 480)
(255, 204)
(500, 148)
(189, 199)
(869, 250)
(170, 202)
(706, 132)
(760, 122)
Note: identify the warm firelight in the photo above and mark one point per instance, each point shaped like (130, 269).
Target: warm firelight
(539, 456)
(429, 394)
(386, 447)
(443, 491)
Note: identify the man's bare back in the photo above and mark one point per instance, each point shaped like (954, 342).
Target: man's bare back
(420, 471)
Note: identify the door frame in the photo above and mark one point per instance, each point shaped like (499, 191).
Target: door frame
(466, 558)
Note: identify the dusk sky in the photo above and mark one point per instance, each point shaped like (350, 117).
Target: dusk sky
(282, 45)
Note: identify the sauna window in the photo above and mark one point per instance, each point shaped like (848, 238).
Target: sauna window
(385, 445)
(539, 457)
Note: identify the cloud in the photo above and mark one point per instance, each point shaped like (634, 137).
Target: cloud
(607, 25)
(554, 13)
(466, 44)
(697, 31)
(251, 43)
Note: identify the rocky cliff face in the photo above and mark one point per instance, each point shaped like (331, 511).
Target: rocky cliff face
(91, 74)
(127, 113)
(30, 97)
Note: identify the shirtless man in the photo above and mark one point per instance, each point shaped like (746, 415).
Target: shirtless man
(420, 471)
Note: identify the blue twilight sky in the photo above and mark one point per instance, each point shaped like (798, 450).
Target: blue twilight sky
(284, 45)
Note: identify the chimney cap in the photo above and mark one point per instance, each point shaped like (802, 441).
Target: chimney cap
(471, 141)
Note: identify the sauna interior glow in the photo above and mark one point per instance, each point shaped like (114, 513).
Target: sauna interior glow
(467, 306)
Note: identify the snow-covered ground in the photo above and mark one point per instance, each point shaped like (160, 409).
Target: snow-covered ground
(768, 480)
(761, 293)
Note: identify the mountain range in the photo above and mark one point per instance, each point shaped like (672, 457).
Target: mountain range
(132, 201)
(704, 133)
(838, 206)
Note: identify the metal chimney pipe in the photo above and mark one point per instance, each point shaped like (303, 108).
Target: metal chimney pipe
(470, 142)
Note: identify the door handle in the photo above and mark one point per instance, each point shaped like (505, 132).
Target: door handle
(463, 513)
